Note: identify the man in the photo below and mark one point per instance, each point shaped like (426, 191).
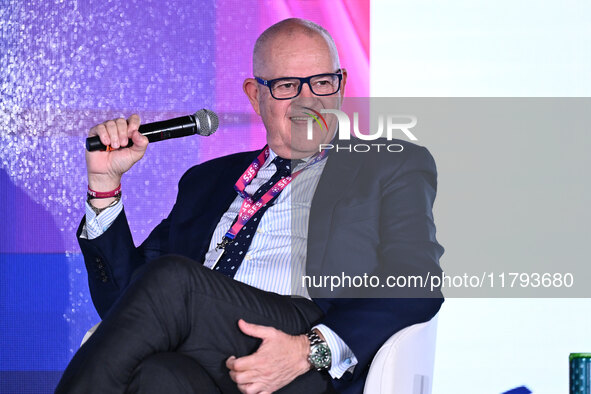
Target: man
(171, 322)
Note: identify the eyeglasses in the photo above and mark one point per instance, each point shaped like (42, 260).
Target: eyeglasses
(290, 87)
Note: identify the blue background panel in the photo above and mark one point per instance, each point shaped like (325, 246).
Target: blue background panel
(33, 328)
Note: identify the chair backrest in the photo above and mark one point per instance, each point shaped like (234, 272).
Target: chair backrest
(404, 364)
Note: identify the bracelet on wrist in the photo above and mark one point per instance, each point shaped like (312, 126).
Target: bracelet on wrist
(99, 210)
(94, 194)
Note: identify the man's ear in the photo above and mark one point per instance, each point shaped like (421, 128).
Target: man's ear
(343, 83)
(251, 88)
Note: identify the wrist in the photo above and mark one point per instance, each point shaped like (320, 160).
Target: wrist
(305, 352)
(100, 200)
(92, 194)
(99, 205)
(103, 183)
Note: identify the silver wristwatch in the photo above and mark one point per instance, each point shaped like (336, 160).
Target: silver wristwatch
(319, 356)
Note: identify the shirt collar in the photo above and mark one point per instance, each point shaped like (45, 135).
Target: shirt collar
(272, 155)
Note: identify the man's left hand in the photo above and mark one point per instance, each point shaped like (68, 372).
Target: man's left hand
(279, 359)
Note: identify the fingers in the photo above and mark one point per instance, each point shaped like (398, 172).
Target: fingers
(113, 133)
(101, 131)
(251, 388)
(254, 330)
(121, 131)
(230, 362)
(133, 123)
(244, 377)
(140, 141)
(243, 363)
(117, 132)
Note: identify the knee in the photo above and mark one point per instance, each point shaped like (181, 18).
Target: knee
(157, 365)
(172, 263)
(169, 268)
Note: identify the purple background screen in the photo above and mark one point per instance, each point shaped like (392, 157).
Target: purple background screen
(68, 65)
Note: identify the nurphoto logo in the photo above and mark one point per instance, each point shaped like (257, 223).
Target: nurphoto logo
(391, 127)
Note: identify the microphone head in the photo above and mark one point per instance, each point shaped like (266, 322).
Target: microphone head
(207, 122)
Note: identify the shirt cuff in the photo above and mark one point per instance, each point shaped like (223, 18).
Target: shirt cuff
(343, 359)
(95, 224)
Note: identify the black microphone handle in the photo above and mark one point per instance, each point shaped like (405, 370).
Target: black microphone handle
(156, 131)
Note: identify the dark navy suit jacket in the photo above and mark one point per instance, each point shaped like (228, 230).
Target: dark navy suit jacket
(371, 213)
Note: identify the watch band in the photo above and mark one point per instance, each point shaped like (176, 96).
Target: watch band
(314, 338)
(320, 356)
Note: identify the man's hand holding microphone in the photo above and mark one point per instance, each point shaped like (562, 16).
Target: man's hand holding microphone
(114, 146)
(105, 168)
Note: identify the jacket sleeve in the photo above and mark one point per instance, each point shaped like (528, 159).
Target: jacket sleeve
(112, 258)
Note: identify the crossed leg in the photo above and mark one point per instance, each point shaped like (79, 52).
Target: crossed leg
(175, 305)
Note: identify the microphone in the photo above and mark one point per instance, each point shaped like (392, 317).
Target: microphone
(203, 122)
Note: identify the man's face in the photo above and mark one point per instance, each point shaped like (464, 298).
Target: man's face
(296, 55)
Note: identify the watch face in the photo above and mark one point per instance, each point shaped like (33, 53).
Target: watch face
(320, 356)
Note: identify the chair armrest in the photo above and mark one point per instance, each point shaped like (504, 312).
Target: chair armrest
(404, 364)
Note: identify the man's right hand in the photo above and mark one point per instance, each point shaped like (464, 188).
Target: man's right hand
(105, 168)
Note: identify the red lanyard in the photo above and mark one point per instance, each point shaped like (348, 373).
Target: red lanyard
(249, 208)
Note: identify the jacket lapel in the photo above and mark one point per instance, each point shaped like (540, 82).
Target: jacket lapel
(336, 179)
(197, 220)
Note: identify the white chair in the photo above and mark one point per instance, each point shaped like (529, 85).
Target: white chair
(403, 365)
(89, 333)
